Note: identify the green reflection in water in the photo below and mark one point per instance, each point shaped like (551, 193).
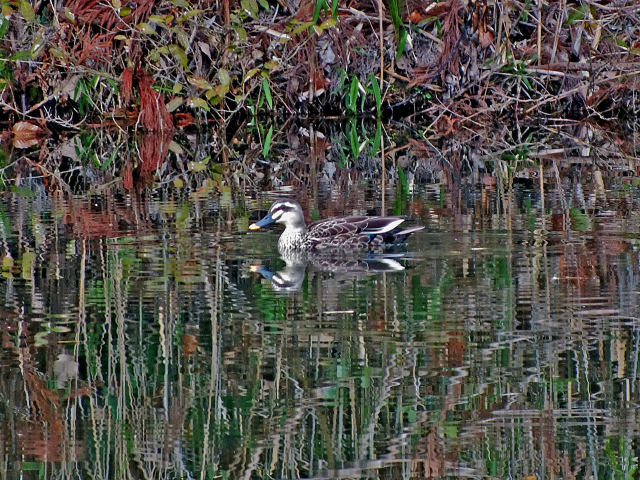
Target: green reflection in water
(156, 352)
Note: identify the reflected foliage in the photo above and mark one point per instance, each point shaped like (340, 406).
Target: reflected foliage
(136, 341)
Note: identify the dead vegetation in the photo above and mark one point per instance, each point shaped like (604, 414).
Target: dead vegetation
(519, 79)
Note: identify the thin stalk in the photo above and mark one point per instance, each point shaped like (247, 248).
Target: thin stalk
(381, 82)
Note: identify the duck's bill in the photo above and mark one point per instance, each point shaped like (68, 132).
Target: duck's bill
(266, 221)
(262, 270)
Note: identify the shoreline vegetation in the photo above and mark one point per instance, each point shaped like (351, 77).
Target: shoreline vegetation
(96, 92)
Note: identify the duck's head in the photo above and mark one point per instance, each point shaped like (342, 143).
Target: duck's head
(287, 212)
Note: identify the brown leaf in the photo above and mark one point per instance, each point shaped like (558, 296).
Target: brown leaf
(416, 17)
(127, 85)
(26, 134)
(154, 116)
(480, 24)
(189, 344)
(184, 119)
(485, 37)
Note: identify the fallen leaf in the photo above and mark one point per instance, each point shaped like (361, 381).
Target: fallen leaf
(26, 134)
(416, 17)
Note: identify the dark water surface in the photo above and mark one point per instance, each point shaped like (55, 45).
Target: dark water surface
(138, 341)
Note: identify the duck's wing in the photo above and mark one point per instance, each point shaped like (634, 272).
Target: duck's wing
(352, 226)
(379, 225)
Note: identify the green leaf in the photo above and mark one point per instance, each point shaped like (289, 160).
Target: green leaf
(402, 41)
(578, 14)
(267, 142)
(179, 55)
(26, 9)
(353, 95)
(320, 4)
(109, 161)
(4, 26)
(301, 28)
(175, 50)
(267, 92)
(197, 166)
(200, 82)
(375, 146)
(376, 93)
(250, 74)
(224, 77)
(24, 55)
(189, 14)
(394, 9)
(22, 191)
(404, 184)
(182, 36)
(250, 6)
(197, 102)
(328, 23)
(270, 65)
(342, 161)
(7, 11)
(242, 34)
(353, 140)
(334, 9)
(159, 19)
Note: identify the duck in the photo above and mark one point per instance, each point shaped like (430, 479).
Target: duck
(290, 277)
(336, 233)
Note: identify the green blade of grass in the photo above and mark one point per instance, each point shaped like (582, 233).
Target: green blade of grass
(353, 140)
(353, 95)
(267, 142)
(402, 40)
(375, 146)
(267, 93)
(320, 4)
(375, 87)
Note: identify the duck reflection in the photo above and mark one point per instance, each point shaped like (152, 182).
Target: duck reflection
(291, 277)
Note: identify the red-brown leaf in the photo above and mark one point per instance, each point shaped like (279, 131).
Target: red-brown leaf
(26, 134)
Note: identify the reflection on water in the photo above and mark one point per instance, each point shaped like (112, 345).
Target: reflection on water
(137, 342)
(290, 277)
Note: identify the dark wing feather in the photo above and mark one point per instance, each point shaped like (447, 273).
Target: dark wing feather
(332, 227)
(351, 232)
(341, 225)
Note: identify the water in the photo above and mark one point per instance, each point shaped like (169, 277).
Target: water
(140, 340)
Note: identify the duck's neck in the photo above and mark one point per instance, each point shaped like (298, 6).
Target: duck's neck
(293, 237)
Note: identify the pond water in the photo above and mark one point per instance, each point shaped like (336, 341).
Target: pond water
(146, 338)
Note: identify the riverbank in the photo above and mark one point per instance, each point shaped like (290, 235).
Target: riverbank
(159, 89)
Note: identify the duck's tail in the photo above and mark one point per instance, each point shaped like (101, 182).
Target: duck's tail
(401, 236)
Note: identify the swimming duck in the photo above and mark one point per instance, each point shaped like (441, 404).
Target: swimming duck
(333, 233)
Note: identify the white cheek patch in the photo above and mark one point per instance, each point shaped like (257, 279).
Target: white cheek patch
(276, 215)
(288, 217)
